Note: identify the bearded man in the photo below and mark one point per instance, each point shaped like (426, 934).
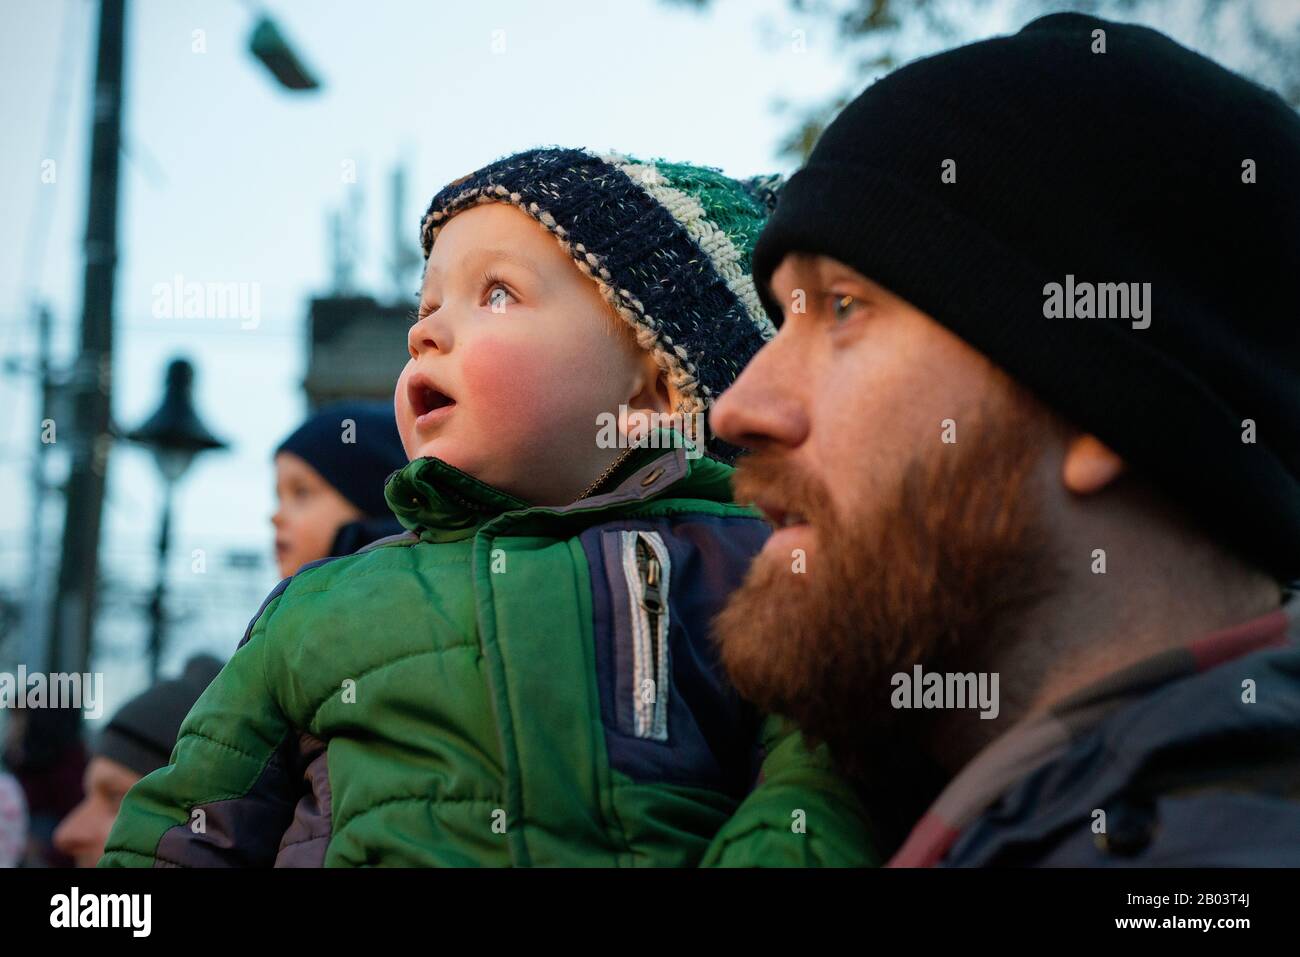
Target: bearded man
(1102, 513)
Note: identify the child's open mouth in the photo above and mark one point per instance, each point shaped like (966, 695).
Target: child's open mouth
(429, 403)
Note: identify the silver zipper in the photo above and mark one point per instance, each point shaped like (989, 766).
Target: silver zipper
(647, 569)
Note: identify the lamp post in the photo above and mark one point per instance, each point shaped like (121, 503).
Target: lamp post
(72, 613)
(175, 435)
(73, 609)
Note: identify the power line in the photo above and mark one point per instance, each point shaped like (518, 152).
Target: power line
(58, 117)
(55, 131)
(253, 336)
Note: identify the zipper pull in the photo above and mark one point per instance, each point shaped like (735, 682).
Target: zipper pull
(651, 595)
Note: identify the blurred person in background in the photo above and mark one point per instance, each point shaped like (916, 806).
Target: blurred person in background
(138, 740)
(13, 821)
(45, 754)
(329, 481)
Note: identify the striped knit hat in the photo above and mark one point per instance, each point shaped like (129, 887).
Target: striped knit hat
(668, 244)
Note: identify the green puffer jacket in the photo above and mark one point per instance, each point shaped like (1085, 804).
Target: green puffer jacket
(502, 685)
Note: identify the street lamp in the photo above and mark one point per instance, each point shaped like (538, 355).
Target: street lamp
(175, 436)
(74, 606)
(269, 46)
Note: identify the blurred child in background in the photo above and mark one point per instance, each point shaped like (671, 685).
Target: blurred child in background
(329, 481)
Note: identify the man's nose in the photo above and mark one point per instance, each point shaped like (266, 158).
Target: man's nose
(70, 835)
(762, 408)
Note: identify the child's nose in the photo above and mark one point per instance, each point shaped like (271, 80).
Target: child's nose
(431, 332)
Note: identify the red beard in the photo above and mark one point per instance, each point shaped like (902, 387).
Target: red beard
(931, 577)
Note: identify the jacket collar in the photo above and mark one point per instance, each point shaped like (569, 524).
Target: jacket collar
(441, 503)
(1035, 742)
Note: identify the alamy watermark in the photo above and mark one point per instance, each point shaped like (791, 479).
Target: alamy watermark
(37, 690)
(181, 299)
(133, 912)
(651, 430)
(946, 691)
(1103, 300)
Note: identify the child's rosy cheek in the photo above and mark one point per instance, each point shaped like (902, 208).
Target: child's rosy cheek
(503, 380)
(399, 396)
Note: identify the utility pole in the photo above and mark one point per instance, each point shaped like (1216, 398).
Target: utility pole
(34, 644)
(158, 604)
(72, 621)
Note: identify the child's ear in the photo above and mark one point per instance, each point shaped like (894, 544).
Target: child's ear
(651, 391)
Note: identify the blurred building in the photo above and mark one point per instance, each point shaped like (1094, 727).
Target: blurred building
(356, 348)
(356, 344)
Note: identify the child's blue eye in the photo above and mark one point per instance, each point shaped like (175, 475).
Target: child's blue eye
(497, 297)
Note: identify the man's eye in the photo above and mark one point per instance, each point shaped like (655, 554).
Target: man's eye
(842, 306)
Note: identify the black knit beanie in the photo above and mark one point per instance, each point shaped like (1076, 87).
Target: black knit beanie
(969, 182)
(356, 460)
(143, 732)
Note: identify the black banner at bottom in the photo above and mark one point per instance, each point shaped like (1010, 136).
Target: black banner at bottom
(385, 906)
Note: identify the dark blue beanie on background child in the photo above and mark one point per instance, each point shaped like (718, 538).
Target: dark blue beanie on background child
(354, 446)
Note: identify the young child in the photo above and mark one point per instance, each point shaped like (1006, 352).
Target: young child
(329, 483)
(526, 676)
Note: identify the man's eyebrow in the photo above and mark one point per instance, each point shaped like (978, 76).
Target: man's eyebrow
(796, 269)
(829, 270)
(825, 272)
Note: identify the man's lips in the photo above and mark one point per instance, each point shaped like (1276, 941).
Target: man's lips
(778, 515)
(429, 403)
(790, 529)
